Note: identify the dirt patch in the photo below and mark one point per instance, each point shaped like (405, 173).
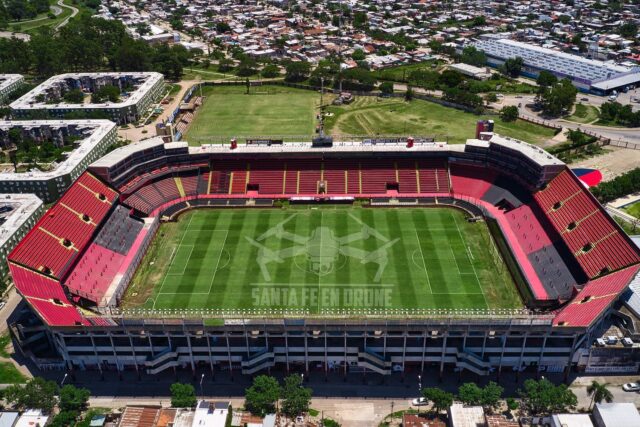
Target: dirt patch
(613, 163)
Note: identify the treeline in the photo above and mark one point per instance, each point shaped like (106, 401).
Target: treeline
(619, 114)
(19, 10)
(88, 44)
(624, 184)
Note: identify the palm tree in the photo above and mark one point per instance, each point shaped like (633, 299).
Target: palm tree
(598, 393)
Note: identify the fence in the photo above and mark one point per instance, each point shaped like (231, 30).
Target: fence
(420, 96)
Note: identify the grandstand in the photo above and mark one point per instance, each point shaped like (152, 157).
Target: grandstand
(569, 260)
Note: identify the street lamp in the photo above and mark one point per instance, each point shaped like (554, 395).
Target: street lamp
(63, 379)
(419, 383)
(201, 392)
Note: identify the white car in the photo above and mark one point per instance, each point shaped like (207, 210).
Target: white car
(631, 387)
(419, 401)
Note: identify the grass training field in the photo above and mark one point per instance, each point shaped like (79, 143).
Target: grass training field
(269, 110)
(376, 116)
(280, 111)
(324, 261)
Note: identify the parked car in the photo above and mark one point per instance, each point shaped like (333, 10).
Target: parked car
(2, 304)
(631, 387)
(584, 99)
(419, 401)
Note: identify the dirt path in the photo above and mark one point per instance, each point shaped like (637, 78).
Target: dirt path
(613, 163)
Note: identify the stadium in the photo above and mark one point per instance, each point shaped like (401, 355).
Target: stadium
(386, 255)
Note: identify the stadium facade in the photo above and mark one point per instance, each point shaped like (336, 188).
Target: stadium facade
(9, 83)
(588, 75)
(569, 259)
(84, 141)
(138, 92)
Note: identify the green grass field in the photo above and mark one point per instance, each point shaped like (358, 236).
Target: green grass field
(322, 261)
(269, 110)
(584, 114)
(375, 116)
(633, 209)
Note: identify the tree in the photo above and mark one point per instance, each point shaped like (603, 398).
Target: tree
(470, 394)
(183, 395)
(509, 113)
(451, 78)
(472, 56)
(37, 393)
(270, 71)
(74, 96)
(558, 99)
(386, 88)
(512, 67)
(262, 396)
(106, 93)
(295, 397)
(546, 79)
(441, 399)
(408, 95)
(73, 399)
(64, 419)
(543, 397)
(628, 30)
(358, 55)
(225, 65)
(222, 27)
(247, 67)
(598, 393)
(491, 394)
(297, 71)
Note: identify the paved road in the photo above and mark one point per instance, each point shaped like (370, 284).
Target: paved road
(631, 135)
(355, 401)
(74, 12)
(12, 301)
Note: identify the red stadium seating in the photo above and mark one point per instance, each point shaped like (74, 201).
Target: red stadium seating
(593, 238)
(595, 297)
(94, 273)
(527, 228)
(470, 180)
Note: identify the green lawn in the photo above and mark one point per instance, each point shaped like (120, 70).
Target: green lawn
(9, 374)
(633, 209)
(43, 20)
(376, 116)
(267, 111)
(584, 114)
(323, 261)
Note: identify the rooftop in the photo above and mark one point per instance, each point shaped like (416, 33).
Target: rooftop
(9, 79)
(95, 131)
(30, 100)
(15, 209)
(573, 66)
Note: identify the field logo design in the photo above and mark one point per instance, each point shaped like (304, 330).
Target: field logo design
(322, 249)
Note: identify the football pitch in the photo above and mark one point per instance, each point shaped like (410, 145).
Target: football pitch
(327, 260)
(268, 110)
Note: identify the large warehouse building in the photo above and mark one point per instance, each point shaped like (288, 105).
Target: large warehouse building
(81, 142)
(588, 75)
(138, 91)
(570, 262)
